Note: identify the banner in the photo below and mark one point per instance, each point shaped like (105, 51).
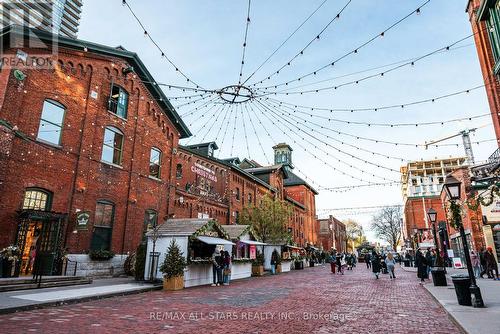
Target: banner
(253, 251)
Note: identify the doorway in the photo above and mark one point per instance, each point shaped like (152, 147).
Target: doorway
(39, 237)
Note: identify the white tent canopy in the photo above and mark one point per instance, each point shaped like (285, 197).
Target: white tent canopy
(251, 242)
(214, 241)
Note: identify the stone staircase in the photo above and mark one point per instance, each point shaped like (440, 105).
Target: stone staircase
(25, 283)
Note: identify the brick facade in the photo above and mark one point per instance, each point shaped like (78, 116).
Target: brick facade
(472, 220)
(486, 58)
(72, 172)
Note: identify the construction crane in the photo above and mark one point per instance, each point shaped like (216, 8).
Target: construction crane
(466, 141)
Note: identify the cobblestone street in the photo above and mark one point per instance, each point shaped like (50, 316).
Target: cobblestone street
(307, 301)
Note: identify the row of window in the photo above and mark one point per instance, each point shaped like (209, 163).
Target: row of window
(39, 199)
(50, 130)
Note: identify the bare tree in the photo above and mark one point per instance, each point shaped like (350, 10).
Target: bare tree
(387, 225)
(354, 232)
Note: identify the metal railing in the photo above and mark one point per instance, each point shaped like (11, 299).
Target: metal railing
(72, 265)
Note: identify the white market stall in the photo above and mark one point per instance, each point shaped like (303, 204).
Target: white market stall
(244, 250)
(197, 240)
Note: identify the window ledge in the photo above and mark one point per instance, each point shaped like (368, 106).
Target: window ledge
(154, 178)
(111, 164)
(116, 115)
(41, 141)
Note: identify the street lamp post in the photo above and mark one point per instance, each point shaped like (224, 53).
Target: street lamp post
(432, 215)
(452, 187)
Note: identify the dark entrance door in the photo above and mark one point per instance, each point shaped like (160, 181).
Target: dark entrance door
(40, 238)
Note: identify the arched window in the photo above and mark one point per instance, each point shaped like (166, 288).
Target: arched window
(112, 146)
(155, 162)
(51, 122)
(103, 225)
(37, 199)
(118, 101)
(178, 171)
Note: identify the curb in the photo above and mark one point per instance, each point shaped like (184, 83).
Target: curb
(450, 316)
(75, 300)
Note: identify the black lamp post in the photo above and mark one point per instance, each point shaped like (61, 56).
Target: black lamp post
(452, 187)
(432, 215)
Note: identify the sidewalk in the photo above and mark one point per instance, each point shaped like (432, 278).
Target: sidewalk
(22, 300)
(472, 320)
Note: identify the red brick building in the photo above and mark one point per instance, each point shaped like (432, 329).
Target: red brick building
(206, 186)
(86, 148)
(332, 234)
(484, 16)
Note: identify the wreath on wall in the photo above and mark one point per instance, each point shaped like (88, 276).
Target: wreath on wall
(212, 225)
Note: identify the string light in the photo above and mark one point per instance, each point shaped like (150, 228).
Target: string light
(301, 52)
(331, 63)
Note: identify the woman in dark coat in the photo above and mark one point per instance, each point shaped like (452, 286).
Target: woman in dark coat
(421, 264)
(375, 259)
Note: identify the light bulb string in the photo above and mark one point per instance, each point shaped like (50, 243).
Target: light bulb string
(354, 51)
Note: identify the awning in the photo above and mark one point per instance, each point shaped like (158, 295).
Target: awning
(214, 241)
(251, 242)
(313, 248)
(289, 246)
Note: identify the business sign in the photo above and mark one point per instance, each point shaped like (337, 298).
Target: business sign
(492, 212)
(457, 263)
(82, 220)
(204, 172)
(450, 253)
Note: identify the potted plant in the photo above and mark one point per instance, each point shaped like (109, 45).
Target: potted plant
(9, 257)
(299, 262)
(258, 265)
(101, 255)
(173, 268)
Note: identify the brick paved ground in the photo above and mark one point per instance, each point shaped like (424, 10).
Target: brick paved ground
(292, 303)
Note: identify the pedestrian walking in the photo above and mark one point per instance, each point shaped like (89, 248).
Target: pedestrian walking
(482, 261)
(368, 261)
(428, 260)
(339, 260)
(391, 263)
(476, 264)
(375, 263)
(491, 264)
(421, 264)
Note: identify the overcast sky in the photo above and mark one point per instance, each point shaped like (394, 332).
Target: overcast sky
(204, 39)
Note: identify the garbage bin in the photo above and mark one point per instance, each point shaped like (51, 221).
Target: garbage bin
(462, 284)
(439, 276)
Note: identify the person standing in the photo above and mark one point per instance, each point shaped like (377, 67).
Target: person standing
(491, 264)
(216, 261)
(368, 261)
(421, 264)
(476, 264)
(391, 263)
(375, 263)
(227, 268)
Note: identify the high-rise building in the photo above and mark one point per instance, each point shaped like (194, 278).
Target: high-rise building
(421, 183)
(57, 16)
